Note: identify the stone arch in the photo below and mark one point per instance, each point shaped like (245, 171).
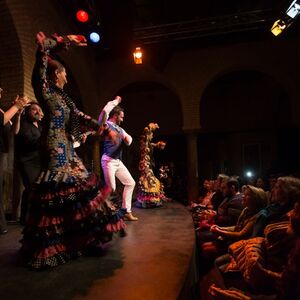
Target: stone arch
(242, 100)
(240, 115)
(150, 101)
(155, 103)
(11, 62)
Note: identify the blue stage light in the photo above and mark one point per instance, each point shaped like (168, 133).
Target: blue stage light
(94, 37)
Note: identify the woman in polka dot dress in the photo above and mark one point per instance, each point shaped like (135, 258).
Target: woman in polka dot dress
(69, 213)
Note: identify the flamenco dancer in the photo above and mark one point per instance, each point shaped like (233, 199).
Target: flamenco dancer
(150, 191)
(70, 215)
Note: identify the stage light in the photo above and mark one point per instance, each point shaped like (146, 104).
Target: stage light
(287, 19)
(138, 56)
(278, 27)
(249, 174)
(94, 37)
(294, 9)
(82, 16)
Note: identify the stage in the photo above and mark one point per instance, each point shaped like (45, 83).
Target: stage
(156, 260)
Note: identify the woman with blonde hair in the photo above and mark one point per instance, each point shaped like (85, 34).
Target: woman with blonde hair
(254, 199)
(266, 267)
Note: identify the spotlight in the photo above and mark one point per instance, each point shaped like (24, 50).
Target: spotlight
(287, 19)
(294, 9)
(82, 16)
(278, 27)
(138, 56)
(249, 174)
(94, 37)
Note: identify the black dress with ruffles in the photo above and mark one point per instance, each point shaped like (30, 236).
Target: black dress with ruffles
(69, 212)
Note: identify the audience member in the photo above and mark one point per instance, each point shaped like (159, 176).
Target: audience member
(216, 242)
(260, 183)
(5, 116)
(267, 266)
(254, 199)
(230, 208)
(27, 129)
(207, 193)
(283, 201)
(218, 196)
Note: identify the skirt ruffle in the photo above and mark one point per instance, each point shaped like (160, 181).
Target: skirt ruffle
(149, 192)
(66, 217)
(149, 200)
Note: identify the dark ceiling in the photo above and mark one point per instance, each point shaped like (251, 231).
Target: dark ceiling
(124, 23)
(155, 12)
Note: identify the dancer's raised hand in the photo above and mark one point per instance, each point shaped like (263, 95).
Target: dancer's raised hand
(77, 40)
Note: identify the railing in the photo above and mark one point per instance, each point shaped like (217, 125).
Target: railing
(240, 22)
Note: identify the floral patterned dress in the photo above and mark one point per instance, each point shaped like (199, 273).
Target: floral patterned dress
(69, 212)
(149, 189)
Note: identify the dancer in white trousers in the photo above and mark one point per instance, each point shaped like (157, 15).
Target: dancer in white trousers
(111, 160)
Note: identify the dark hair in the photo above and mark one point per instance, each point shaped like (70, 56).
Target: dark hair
(115, 111)
(233, 182)
(295, 223)
(28, 109)
(54, 65)
(291, 187)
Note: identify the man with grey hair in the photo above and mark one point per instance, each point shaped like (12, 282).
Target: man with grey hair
(285, 192)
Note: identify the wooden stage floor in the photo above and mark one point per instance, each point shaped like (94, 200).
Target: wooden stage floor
(152, 262)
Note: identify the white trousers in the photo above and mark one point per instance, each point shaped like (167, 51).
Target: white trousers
(114, 168)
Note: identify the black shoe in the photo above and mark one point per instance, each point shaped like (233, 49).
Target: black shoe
(4, 231)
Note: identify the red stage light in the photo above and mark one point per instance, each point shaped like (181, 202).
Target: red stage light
(82, 16)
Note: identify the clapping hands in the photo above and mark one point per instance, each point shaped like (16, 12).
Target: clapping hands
(215, 228)
(21, 102)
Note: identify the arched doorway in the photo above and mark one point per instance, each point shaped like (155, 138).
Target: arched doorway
(11, 62)
(146, 102)
(241, 114)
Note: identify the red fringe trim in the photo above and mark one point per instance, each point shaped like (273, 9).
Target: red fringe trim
(51, 251)
(116, 227)
(86, 211)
